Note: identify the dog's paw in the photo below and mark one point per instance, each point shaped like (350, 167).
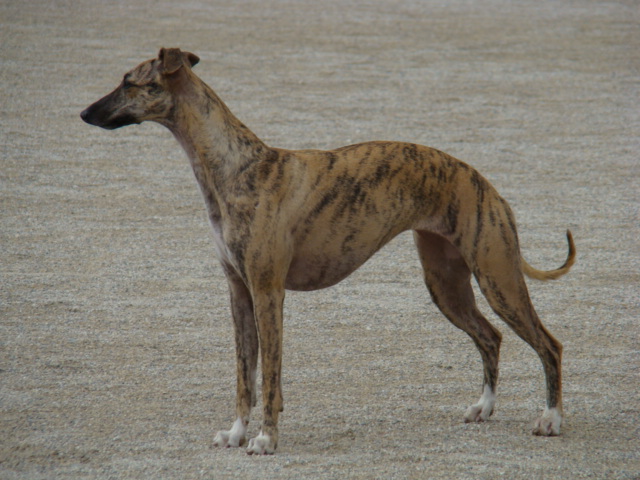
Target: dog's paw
(476, 414)
(261, 445)
(482, 410)
(231, 438)
(548, 424)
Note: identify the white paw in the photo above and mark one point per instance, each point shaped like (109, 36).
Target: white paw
(548, 424)
(231, 438)
(482, 410)
(261, 445)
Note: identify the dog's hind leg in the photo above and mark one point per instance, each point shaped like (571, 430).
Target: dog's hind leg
(448, 279)
(500, 277)
(246, 339)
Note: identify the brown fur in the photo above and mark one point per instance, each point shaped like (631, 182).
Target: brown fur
(306, 219)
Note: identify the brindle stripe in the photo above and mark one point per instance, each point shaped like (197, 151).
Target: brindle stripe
(328, 198)
(453, 214)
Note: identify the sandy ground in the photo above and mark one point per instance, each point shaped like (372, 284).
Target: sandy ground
(116, 356)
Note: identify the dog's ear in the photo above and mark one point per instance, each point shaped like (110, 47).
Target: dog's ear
(172, 59)
(192, 58)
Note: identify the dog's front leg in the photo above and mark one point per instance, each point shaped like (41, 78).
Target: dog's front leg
(268, 311)
(246, 337)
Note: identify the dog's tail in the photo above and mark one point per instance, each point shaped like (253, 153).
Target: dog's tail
(531, 272)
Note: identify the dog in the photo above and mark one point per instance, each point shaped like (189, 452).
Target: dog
(306, 219)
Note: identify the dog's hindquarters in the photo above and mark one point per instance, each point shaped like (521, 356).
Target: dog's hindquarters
(499, 271)
(484, 242)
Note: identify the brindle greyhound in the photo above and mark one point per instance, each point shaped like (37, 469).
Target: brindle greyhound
(306, 219)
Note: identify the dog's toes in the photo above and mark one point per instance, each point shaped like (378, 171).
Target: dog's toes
(231, 438)
(474, 414)
(261, 445)
(482, 410)
(471, 414)
(221, 439)
(548, 425)
(225, 438)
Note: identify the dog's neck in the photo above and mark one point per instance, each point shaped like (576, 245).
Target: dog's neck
(218, 145)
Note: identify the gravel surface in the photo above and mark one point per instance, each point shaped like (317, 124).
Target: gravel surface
(116, 356)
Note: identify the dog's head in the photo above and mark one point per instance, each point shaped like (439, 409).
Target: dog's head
(145, 93)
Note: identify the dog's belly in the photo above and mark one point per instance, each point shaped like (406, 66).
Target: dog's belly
(314, 272)
(321, 261)
(335, 247)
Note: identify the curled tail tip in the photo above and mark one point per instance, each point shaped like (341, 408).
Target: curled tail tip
(557, 273)
(571, 258)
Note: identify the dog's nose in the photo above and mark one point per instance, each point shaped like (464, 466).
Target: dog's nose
(84, 115)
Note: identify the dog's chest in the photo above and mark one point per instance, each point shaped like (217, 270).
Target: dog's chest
(222, 251)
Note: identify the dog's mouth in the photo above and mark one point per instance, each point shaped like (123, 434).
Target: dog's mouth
(92, 117)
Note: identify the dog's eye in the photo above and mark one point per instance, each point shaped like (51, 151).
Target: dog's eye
(126, 83)
(153, 87)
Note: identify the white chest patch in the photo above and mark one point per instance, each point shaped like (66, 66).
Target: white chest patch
(222, 252)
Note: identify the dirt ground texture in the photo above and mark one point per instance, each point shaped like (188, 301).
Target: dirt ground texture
(116, 345)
